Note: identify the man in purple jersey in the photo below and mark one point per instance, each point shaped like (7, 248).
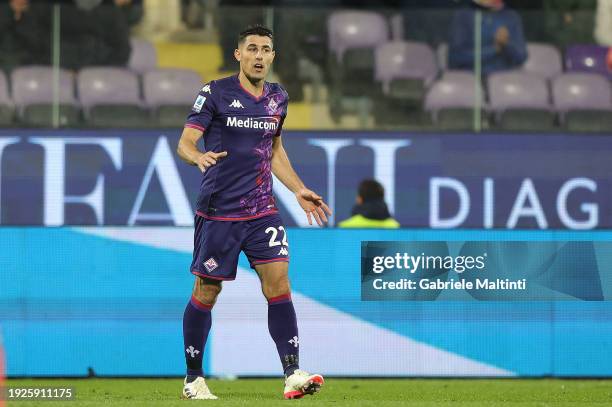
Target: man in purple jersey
(241, 118)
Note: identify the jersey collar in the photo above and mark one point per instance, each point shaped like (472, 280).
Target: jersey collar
(252, 96)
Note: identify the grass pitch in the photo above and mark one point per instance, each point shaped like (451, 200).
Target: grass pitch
(336, 392)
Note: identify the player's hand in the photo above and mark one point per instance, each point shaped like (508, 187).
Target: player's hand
(208, 159)
(313, 205)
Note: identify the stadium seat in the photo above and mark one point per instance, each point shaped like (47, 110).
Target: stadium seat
(170, 93)
(451, 101)
(143, 57)
(353, 36)
(404, 71)
(584, 102)
(520, 101)
(587, 58)
(543, 59)
(111, 98)
(33, 94)
(6, 105)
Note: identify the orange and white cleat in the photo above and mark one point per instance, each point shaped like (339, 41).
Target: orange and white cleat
(301, 383)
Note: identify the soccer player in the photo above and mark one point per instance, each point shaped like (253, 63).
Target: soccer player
(241, 118)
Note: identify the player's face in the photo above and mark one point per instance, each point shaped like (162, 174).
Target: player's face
(255, 55)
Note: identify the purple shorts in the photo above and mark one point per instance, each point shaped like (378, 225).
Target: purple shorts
(217, 245)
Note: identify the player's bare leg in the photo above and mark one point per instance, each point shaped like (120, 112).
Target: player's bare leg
(196, 325)
(282, 324)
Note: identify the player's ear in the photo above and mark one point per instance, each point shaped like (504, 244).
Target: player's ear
(273, 55)
(237, 54)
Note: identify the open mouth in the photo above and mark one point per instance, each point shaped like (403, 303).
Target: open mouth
(259, 67)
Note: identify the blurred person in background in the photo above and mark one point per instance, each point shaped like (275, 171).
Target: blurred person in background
(131, 10)
(422, 19)
(233, 15)
(569, 21)
(503, 42)
(370, 210)
(24, 34)
(95, 33)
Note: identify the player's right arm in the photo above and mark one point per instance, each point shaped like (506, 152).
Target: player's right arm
(188, 150)
(202, 113)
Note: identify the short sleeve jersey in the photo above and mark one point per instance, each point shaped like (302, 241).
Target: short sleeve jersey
(239, 186)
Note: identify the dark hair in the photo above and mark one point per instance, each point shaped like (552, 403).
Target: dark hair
(256, 29)
(371, 190)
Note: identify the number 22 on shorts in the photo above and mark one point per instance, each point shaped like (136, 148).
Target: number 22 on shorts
(273, 242)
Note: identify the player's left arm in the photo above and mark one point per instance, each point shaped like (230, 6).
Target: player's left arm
(312, 203)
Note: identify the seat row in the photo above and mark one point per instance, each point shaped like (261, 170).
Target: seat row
(98, 96)
(519, 100)
(359, 31)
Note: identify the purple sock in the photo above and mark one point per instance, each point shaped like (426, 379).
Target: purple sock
(282, 324)
(196, 325)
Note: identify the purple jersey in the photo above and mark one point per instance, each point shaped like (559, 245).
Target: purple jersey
(239, 186)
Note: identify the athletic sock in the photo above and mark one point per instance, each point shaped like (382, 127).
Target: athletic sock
(196, 325)
(282, 324)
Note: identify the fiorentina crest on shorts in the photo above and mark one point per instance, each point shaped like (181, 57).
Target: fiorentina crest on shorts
(210, 264)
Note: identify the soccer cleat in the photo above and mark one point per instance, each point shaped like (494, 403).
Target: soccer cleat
(301, 383)
(197, 390)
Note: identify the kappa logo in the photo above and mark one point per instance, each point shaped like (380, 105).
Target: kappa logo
(294, 341)
(283, 252)
(197, 106)
(192, 351)
(210, 264)
(236, 103)
(206, 89)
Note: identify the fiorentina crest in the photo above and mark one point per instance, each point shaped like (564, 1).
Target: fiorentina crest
(272, 105)
(210, 264)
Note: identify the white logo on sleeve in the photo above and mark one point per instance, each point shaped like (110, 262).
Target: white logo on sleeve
(283, 252)
(206, 89)
(192, 351)
(236, 103)
(197, 106)
(294, 341)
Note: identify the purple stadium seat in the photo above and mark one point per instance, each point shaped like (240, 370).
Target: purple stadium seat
(584, 102)
(33, 96)
(517, 89)
(111, 98)
(143, 57)
(107, 86)
(404, 60)
(353, 37)
(171, 87)
(355, 29)
(587, 58)
(456, 89)
(520, 101)
(543, 59)
(34, 85)
(581, 91)
(451, 101)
